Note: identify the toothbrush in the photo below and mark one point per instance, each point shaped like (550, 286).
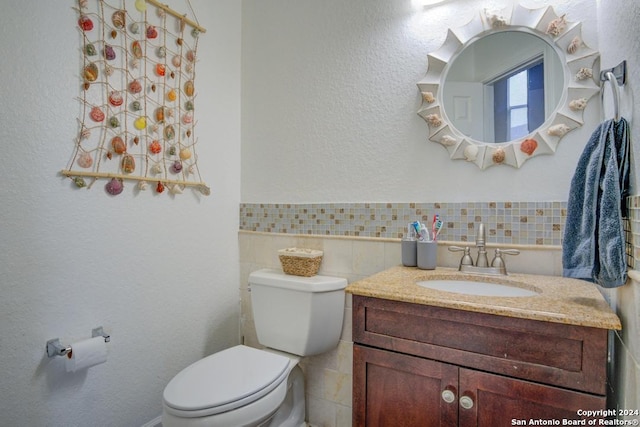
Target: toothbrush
(438, 226)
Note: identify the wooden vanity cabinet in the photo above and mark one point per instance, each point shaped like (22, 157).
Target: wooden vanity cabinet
(419, 365)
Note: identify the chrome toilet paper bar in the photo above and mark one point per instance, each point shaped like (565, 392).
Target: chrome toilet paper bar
(56, 348)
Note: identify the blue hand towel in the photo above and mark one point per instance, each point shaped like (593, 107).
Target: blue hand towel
(593, 247)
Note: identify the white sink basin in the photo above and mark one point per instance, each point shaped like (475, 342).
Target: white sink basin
(469, 287)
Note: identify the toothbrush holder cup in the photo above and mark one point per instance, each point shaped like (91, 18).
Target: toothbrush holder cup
(427, 255)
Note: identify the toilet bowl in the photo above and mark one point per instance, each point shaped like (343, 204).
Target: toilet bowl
(245, 386)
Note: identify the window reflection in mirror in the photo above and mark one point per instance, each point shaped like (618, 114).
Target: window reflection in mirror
(518, 101)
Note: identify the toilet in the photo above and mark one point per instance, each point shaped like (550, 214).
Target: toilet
(244, 386)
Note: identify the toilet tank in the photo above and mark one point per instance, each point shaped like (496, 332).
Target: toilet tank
(299, 315)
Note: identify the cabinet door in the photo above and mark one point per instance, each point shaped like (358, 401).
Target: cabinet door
(488, 400)
(396, 390)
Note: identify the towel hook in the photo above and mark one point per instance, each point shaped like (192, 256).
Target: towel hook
(616, 76)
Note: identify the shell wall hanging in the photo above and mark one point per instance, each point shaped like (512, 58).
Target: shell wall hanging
(577, 63)
(137, 98)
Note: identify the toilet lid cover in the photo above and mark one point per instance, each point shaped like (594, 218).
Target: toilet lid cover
(239, 374)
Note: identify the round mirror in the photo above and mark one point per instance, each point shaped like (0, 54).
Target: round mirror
(508, 86)
(502, 86)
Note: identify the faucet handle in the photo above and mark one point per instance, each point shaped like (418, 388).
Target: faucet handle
(498, 262)
(466, 258)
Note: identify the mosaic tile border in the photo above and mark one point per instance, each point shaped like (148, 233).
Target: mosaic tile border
(526, 223)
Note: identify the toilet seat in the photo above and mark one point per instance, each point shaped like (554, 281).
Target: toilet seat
(225, 381)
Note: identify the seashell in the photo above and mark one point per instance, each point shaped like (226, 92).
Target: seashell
(172, 95)
(191, 56)
(185, 154)
(584, 73)
(154, 128)
(557, 26)
(140, 123)
(96, 114)
(160, 12)
(428, 97)
(114, 187)
(188, 133)
(558, 130)
(152, 33)
(153, 88)
(448, 140)
(205, 190)
(108, 69)
(188, 106)
(118, 19)
(172, 75)
(498, 155)
(189, 89)
(85, 160)
(159, 113)
(176, 167)
(128, 164)
(114, 34)
(156, 169)
(192, 169)
(179, 41)
(176, 61)
(135, 63)
(143, 185)
(155, 147)
(574, 45)
(172, 150)
(140, 5)
(161, 51)
(115, 98)
(189, 68)
(114, 122)
(79, 181)
(90, 49)
(136, 49)
(470, 153)
(91, 72)
(159, 187)
(160, 69)
(175, 189)
(85, 23)
(528, 146)
(578, 104)
(187, 118)
(136, 140)
(85, 133)
(109, 155)
(135, 87)
(134, 28)
(83, 4)
(495, 18)
(434, 120)
(135, 106)
(109, 53)
(118, 145)
(86, 85)
(195, 33)
(169, 132)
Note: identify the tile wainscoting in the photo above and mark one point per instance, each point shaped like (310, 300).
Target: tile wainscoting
(360, 239)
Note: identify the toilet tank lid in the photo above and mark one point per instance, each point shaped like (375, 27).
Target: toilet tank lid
(278, 279)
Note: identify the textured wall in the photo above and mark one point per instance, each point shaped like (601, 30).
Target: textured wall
(160, 274)
(330, 100)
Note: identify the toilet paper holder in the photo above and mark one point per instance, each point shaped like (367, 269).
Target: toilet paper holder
(56, 348)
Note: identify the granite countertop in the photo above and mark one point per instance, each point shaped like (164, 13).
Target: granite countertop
(560, 299)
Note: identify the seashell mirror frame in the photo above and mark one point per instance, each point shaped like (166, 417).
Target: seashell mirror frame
(578, 62)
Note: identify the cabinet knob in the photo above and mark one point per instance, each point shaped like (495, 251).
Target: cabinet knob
(466, 402)
(448, 396)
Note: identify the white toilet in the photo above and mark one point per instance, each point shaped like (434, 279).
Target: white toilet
(243, 386)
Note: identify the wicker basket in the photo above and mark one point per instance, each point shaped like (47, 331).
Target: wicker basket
(300, 262)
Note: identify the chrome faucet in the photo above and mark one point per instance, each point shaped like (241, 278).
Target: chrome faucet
(497, 267)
